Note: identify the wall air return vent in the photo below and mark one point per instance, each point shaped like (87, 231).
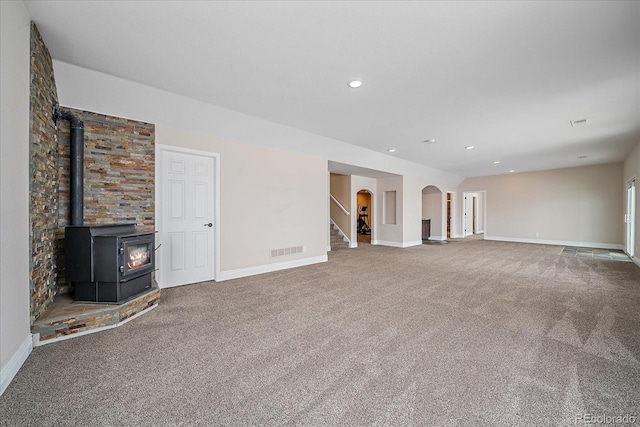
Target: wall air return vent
(580, 122)
(276, 253)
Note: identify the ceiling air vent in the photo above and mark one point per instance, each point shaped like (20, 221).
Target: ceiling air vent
(580, 122)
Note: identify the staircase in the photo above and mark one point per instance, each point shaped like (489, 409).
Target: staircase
(337, 241)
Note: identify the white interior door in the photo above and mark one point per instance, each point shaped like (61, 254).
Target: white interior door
(187, 206)
(630, 217)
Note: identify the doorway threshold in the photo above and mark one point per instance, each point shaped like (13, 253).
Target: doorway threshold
(608, 254)
(435, 242)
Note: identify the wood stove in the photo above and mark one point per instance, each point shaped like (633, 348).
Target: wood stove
(109, 263)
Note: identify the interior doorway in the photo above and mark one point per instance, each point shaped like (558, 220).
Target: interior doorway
(432, 214)
(364, 218)
(630, 218)
(473, 213)
(187, 210)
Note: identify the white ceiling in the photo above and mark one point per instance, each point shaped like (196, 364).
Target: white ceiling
(344, 169)
(506, 77)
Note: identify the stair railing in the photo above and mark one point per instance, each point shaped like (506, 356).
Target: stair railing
(342, 208)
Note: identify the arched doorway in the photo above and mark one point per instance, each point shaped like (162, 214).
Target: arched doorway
(364, 217)
(432, 214)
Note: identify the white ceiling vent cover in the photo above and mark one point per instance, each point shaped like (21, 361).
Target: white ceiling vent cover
(580, 122)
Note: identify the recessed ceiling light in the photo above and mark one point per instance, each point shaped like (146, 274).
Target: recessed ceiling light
(429, 141)
(355, 83)
(512, 171)
(391, 150)
(470, 147)
(495, 162)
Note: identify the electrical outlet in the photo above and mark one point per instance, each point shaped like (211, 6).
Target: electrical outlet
(537, 234)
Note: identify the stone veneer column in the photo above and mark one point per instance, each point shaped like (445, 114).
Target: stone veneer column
(43, 170)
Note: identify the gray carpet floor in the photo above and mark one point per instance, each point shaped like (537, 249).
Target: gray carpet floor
(473, 333)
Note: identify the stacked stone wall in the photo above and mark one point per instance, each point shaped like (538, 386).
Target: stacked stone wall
(119, 175)
(44, 178)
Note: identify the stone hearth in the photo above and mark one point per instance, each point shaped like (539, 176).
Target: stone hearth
(65, 318)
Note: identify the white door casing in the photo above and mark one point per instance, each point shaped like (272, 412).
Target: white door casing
(467, 217)
(630, 218)
(187, 207)
(474, 200)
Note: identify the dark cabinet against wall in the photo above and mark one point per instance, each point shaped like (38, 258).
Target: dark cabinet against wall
(426, 229)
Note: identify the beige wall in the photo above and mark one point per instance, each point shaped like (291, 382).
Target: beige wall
(15, 338)
(631, 170)
(340, 188)
(480, 213)
(452, 215)
(269, 199)
(579, 206)
(389, 234)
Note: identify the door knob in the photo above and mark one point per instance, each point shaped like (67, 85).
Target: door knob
(208, 225)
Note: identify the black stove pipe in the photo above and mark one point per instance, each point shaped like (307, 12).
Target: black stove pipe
(76, 156)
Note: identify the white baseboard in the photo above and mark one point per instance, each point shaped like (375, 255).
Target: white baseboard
(436, 238)
(635, 260)
(557, 242)
(329, 248)
(353, 245)
(387, 243)
(268, 268)
(9, 371)
(396, 244)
